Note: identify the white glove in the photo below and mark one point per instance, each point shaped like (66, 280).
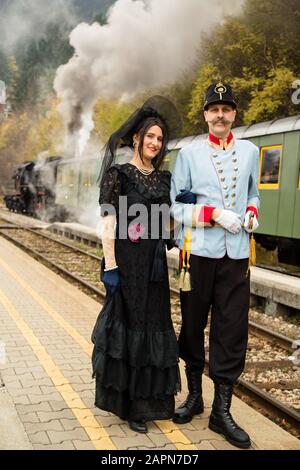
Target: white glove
(250, 222)
(230, 221)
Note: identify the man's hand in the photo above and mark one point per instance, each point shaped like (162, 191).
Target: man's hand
(250, 222)
(228, 220)
(186, 197)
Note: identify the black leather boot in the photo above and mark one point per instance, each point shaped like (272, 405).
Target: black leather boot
(193, 405)
(138, 426)
(221, 420)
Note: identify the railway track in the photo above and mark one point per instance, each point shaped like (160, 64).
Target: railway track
(277, 269)
(268, 375)
(67, 259)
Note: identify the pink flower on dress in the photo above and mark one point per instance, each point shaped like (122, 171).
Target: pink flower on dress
(135, 232)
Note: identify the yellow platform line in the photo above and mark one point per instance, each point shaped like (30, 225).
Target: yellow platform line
(168, 428)
(83, 343)
(174, 434)
(99, 437)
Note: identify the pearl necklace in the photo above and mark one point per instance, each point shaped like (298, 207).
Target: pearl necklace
(143, 171)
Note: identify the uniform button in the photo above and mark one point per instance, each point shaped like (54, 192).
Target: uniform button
(227, 204)
(233, 195)
(220, 171)
(226, 196)
(234, 160)
(223, 179)
(225, 187)
(234, 178)
(219, 163)
(234, 186)
(215, 155)
(235, 168)
(234, 152)
(233, 204)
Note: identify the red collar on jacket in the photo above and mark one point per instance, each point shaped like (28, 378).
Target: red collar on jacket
(221, 143)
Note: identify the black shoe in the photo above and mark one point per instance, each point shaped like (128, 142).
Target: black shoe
(221, 420)
(193, 405)
(138, 426)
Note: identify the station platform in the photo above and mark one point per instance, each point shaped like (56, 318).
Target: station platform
(47, 400)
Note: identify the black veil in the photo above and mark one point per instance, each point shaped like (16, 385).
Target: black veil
(155, 107)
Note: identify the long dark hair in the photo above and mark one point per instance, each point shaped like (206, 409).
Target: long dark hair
(157, 110)
(142, 130)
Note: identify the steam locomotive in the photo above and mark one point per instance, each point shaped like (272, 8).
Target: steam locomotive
(34, 189)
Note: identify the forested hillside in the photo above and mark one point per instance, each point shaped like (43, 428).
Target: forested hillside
(258, 52)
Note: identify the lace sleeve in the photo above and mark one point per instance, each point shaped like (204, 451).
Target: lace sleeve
(110, 191)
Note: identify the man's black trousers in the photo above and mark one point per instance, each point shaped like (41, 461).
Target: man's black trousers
(224, 286)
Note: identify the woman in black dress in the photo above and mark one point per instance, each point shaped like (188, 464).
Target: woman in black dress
(135, 357)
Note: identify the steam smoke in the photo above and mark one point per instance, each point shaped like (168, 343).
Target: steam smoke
(2, 93)
(145, 45)
(22, 19)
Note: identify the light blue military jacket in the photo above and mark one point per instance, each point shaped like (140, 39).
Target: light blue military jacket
(225, 179)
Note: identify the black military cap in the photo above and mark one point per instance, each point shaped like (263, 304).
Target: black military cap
(219, 93)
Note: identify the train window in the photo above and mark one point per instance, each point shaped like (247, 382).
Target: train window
(270, 165)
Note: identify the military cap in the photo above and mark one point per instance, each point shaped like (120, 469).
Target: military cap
(219, 93)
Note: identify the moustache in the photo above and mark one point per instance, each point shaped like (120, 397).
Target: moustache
(224, 121)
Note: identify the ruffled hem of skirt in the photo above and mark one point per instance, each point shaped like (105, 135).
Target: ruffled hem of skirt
(142, 363)
(144, 382)
(139, 349)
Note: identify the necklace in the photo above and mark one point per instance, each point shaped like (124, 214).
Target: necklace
(143, 171)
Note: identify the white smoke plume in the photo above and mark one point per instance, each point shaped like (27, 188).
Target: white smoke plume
(23, 19)
(146, 44)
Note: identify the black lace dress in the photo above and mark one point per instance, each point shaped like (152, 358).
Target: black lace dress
(135, 357)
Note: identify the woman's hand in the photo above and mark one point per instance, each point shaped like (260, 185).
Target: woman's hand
(111, 280)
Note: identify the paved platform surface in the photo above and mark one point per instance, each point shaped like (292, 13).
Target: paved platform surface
(48, 398)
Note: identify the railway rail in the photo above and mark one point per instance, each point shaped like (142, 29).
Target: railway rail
(269, 375)
(280, 270)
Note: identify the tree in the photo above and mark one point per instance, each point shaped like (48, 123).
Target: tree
(233, 54)
(278, 22)
(234, 48)
(13, 135)
(259, 54)
(4, 67)
(37, 62)
(88, 9)
(108, 116)
(46, 131)
(273, 99)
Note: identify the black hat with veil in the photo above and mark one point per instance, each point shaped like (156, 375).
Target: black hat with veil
(157, 110)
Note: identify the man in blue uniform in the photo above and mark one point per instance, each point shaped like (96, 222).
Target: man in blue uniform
(215, 197)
